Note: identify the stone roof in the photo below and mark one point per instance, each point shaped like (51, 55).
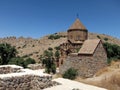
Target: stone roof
(77, 25)
(89, 46)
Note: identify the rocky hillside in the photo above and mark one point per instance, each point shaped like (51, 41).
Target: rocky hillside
(28, 47)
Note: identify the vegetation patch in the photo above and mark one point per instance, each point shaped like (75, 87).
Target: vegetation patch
(113, 51)
(55, 36)
(71, 73)
(106, 39)
(8, 56)
(98, 37)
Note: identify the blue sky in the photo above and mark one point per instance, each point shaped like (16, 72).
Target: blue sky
(36, 18)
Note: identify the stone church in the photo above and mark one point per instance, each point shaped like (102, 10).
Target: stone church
(79, 52)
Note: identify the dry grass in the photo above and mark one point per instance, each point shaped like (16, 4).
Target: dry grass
(111, 83)
(100, 72)
(108, 77)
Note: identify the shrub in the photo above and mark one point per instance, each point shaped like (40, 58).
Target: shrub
(98, 37)
(71, 73)
(17, 61)
(54, 36)
(50, 49)
(51, 37)
(49, 65)
(21, 62)
(6, 53)
(113, 51)
(29, 61)
(57, 47)
(106, 39)
(53, 68)
(57, 54)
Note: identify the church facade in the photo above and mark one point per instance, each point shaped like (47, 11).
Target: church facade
(79, 52)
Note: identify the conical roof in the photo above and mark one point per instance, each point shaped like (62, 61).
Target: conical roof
(77, 25)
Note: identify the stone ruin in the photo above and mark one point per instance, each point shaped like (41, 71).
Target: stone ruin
(13, 77)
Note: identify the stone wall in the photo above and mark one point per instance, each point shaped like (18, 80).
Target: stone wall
(5, 69)
(35, 66)
(14, 77)
(26, 82)
(77, 35)
(87, 65)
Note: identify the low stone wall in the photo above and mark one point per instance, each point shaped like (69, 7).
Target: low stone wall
(35, 66)
(7, 69)
(26, 82)
(14, 77)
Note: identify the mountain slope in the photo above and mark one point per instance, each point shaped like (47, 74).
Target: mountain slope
(35, 47)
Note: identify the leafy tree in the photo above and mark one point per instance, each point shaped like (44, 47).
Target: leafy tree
(57, 54)
(48, 62)
(48, 53)
(49, 65)
(71, 73)
(6, 53)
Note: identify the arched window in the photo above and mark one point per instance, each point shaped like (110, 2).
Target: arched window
(78, 37)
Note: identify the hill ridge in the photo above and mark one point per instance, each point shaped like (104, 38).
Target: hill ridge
(35, 47)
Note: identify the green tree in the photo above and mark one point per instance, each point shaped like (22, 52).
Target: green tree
(49, 65)
(6, 53)
(71, 73)
(57, 54)
(48, 53)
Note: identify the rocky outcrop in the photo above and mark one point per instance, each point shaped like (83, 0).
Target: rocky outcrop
(26, 82)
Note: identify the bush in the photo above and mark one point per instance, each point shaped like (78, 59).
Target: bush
(49, 65)
(54, 36)
(29, 61)
(57, 48)
(50, 49)
(113, 51)
(6, 53)
(17, 61)
(98, 37)
(71, 73)
(106, 39)
(21, 62)
(57, 54)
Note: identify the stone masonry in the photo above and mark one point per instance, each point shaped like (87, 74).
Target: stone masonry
(14, 77)
(87, 65)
